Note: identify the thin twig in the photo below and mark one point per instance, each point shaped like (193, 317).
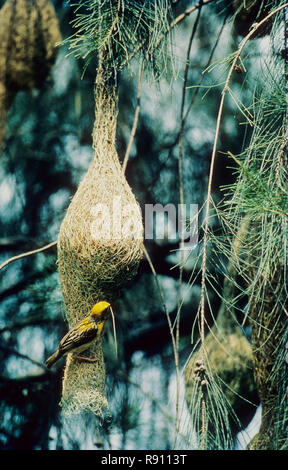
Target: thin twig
(160, 291)
(182, 17)
(114, 22)
(163, 302)
(206, 67)
(286, 46)
(181, 200)
(114, 332)
(197, 88)
(172, 25)
(23, 356)
(124, 376)
(150, 397)
(27, 253)
(136, 117)
(30, 321)
(211, 173)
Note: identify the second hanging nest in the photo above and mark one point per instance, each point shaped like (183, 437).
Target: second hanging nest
(29, 31)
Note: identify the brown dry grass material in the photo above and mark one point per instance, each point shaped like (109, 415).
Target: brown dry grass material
(230, 358)
(5, 101)
(98, 253)
(29, 31)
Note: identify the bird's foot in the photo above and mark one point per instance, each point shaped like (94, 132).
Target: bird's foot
(86, 359)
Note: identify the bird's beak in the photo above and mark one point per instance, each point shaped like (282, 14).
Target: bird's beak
(104, 315)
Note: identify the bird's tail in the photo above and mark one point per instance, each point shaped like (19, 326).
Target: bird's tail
(52, 359)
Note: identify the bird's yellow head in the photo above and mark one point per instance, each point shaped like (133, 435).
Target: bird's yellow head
(100, 311)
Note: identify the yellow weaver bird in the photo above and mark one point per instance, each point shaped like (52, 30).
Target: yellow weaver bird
(82, 335)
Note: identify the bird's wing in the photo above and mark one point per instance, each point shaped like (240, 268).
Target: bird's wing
(78, 337)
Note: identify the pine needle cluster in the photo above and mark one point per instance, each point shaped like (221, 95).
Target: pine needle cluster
(250, 249)
(260, 195)
(119, 29)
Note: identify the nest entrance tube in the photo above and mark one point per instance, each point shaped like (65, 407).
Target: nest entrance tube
(99, 249)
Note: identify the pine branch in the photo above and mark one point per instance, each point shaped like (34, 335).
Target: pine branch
(28, 253)
(172, 25)
(12, 351)
(136, 117)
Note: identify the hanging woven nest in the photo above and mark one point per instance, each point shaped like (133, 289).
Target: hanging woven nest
(99, 250)
(230, 359)
(29, 31)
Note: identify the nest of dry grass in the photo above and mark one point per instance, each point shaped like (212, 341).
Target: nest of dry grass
(99, 250)
(29, 31)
